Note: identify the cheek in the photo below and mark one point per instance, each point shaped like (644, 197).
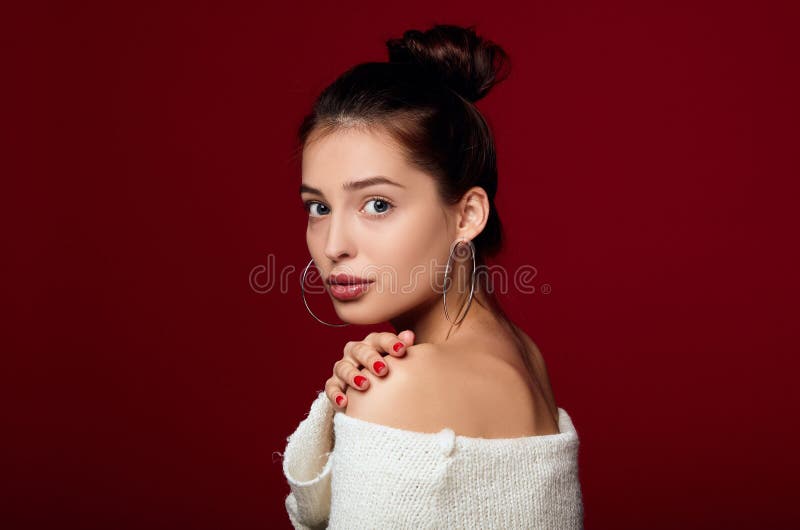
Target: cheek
(412, 250)
(315, 243)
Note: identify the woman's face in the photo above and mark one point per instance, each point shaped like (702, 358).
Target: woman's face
(392, 230)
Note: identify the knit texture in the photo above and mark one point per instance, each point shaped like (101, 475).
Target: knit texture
(383, 477)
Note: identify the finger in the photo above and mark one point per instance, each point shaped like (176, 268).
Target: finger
(389, 342)
(347, 372)
(408, 337)
(368, 356)
(335, 393)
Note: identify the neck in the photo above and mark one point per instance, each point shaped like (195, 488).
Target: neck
(429, 323)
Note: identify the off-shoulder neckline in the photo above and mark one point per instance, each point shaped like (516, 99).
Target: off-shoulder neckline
(567, 432)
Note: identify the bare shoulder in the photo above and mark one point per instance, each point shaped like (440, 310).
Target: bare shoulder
(458, 386)
(403, 397)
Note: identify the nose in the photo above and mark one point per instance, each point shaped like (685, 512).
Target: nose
(339, 244)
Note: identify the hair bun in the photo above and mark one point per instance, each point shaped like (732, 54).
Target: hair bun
(454, 55)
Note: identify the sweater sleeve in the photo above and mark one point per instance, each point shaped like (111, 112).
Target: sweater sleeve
(307, 467)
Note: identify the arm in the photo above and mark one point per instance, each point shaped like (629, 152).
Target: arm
(307, 467)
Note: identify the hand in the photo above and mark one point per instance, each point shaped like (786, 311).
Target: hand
(361, 354)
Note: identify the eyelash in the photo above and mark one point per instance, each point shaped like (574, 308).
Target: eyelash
(307, 206)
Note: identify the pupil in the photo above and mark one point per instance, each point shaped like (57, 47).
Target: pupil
(378, 202)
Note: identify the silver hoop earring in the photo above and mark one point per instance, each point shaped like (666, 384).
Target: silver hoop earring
(303, 291)
(472, 283)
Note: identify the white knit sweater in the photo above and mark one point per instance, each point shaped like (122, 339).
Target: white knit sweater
(383, 477)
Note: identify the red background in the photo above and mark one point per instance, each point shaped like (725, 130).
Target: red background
(648, 166)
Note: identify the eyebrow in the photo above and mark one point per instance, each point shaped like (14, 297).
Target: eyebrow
(355, 185)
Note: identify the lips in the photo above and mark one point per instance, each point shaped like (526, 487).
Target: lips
(346, 279)
(347, 287)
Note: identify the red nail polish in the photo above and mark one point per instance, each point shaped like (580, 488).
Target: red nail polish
(398, 346)
(378, 366)
(360, 380)
(339, 400)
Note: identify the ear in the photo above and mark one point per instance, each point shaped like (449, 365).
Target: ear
(473, 212)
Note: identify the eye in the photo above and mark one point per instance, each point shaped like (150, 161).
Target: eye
(379, 206)
(320, 210)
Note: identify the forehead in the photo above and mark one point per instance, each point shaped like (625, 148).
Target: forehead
(353, 153)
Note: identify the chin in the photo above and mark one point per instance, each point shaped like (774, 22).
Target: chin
(361, 314)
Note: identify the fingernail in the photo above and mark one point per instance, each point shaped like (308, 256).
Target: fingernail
(339, 400)
(379, 366)
(360, 380)
(398, 346)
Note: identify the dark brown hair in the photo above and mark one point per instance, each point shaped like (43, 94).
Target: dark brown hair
(424, 98)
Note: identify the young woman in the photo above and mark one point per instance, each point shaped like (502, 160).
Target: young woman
(459, 427)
